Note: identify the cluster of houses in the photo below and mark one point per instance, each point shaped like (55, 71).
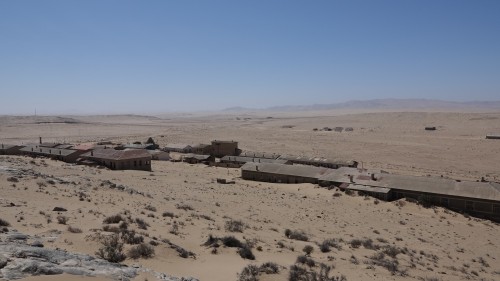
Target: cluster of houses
(478, 198)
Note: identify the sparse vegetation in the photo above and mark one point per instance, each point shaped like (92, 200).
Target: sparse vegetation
(111, 249)
(62, 219)
(74, 229)
(235, 226)
(142, 250)
(184, 207)
(113, 219)
(296, 235)
(308, 249)
(4, 222)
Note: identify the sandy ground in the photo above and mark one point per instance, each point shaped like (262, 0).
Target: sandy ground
(434, 243)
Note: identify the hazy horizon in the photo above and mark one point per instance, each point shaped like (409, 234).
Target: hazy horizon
(98, 57)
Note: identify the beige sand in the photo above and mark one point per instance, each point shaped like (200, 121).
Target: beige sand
(439, 243)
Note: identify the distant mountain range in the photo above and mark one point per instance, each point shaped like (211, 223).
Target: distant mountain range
(381, 104)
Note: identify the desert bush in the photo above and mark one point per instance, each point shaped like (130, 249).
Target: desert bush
(184, 207)
(74, 229)
(150, 208)
(296, 235)
(269, 268)
(326, 244)
(246, 253)
(113, 219)
(111, 249)
(235, 226)
(305, 260)
(141, 224)
(391, 251)
(142, 250)
(4, 222)
(308, 249)
(62, 219)
(368, 244)
(249, 273)
(168, 214)
(356, 243)
(130, 237)
(232, 242)
(111, 228)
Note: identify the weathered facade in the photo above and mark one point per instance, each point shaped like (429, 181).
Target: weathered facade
(223, 148)
(476, 198)
(280, 173)
(133, 159)
(198, 158)
(202, 149)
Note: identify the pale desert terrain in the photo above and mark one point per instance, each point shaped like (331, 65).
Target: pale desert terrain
(408, 242)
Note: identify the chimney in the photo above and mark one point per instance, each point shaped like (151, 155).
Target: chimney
(40, 139)
(373, 177)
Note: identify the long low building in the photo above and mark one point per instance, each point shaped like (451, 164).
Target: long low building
(476, 198)
(239, 161)
(66, 155)
(319, 161)
(133, 159)
(9, 149)
(279, 173)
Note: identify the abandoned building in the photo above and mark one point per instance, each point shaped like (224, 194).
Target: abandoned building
(238, 161)
(280, 173)
(10, 149)
(493, 136)
(198, 158)
(319, 161)
(223, 148)
(159, 155)
(62, 154)
(133, 159)
(476, 198)
(259, 155)
(178, 147)
(202, 149)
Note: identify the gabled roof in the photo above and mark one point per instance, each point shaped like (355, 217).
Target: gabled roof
(243, 159)
(289, 170)
(319, 160)
(177, 145)
(434, 185)
(112, 154)
(196, 156)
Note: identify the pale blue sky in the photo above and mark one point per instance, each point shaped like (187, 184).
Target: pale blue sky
(108, 56)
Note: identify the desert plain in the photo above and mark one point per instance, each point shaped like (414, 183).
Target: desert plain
(182, 205)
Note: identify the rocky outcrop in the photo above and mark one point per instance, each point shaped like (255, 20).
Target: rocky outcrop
(18, 260)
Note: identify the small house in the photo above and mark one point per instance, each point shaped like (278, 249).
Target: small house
(133, 159)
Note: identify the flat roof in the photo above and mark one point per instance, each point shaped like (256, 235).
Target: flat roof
(112, 154)
(288, 170)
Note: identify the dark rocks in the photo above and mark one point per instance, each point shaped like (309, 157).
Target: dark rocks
(37, 244)
(3, 261)
(59, 209)
(17, 236)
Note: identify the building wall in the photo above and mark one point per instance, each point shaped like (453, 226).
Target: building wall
(473, 206)
(143, 164)
(275, 178)
(221, 149)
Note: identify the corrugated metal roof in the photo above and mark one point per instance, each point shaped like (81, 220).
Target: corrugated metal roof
(177, 146)
(290, 170)
(196, 156)
(251, 159)
(4, 146)
(112, 154)
(434, 185)
(48, 151)
(259, 155)
(319, 160)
